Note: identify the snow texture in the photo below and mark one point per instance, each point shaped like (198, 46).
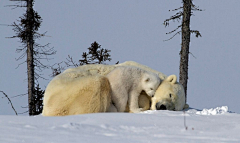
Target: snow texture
(215, 111)
(144, 127)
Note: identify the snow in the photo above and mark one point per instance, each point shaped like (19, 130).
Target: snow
(209, 125)
(213, 111)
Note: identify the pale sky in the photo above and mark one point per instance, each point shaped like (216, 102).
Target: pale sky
(132, 30)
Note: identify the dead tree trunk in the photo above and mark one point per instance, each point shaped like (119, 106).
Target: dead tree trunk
(30, 60)
(184, 53)
(184, 14)
(26, 31)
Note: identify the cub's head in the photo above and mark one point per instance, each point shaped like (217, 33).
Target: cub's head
(150, 83)
(169, 95)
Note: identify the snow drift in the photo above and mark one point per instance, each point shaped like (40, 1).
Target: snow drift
(208, 125)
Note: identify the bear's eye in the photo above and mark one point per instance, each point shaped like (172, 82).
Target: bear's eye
(147, 79)
(170, 95)
(151, 89)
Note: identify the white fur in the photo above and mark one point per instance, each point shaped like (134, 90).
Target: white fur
(92, 69)
(75, 80)
(73, 93)
(146, 68)
(170, 95)
(127, 83)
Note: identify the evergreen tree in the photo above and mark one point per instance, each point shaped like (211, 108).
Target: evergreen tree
(26, 31)
(95, 55)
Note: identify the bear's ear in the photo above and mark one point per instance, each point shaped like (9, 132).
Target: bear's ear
(172, 79)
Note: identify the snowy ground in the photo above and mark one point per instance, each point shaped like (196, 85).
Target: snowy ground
(208, 125)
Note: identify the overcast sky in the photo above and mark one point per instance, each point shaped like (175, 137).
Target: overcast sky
(132, 30)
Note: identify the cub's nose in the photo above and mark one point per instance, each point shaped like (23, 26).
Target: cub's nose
(160, 106)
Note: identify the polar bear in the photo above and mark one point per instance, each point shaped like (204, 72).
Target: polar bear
(144, 101)
(146, 68)
(73, 93)
(93, 69)
(127, 82)
(170, 95)
(170, 85)
(61, 95)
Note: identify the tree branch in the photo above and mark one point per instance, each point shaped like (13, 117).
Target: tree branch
(196, 32)
(9, 101)
(176, 9)
(177, 17)
(174, 29)
(195, 8)
(70, 60)
(19, 95)
(173, 36)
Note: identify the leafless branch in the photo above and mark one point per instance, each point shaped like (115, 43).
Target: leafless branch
(173, 36)
(23, 112)
(177, 9)
(196, 32)
(177, 17)
(192, 55)
(18, 50)
(70, 62)
(19, 95)
(57, 70)
(37, 76)
(20, 64)
(21, 56)
(9, 101)
(195, 8)
(5, 25)
(174, 29)
(15, 6)
(17, 0)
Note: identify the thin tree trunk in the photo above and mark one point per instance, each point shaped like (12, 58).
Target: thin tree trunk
(183, 76)
(30, 64)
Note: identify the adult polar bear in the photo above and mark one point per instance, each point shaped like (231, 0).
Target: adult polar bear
(169, 96)
(76, 93)
(65, 94)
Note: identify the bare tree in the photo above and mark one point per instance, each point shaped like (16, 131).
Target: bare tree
(26, 30)
(184, 13)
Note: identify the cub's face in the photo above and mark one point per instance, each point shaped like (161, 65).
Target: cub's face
(150, 84)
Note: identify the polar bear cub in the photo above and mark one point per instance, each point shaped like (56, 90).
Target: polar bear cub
(127, 82)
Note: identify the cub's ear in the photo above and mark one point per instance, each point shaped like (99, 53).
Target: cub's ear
(172, 79)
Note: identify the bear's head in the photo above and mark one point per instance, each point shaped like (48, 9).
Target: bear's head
(169, 95)
(150, 83)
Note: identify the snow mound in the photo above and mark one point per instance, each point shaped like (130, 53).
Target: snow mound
(213, 111)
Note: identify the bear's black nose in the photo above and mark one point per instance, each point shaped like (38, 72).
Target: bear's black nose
(163, 107)
(160, 106)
